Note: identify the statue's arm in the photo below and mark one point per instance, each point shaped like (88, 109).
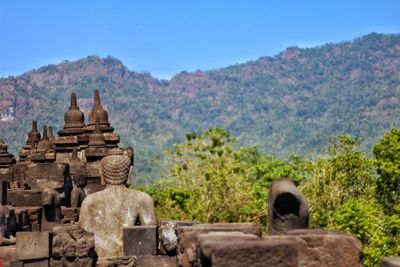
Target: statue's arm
(85, 216)
(147, 216)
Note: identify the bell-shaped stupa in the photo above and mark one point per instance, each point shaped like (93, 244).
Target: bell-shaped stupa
(74, 119)
(98, 112)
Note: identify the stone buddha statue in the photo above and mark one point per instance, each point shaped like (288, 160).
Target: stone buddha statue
(106, 212)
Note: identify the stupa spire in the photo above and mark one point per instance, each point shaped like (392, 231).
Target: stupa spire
(73, 101)
(50, 132)
(45, 136)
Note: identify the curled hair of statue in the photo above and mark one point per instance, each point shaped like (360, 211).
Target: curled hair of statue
(115, 167)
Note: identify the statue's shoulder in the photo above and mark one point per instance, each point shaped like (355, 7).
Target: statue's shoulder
(142, 196)
(91, 200)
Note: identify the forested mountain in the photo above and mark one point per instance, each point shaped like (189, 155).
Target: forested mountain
(291, 102)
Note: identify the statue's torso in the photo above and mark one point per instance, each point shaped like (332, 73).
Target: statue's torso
(105, 213)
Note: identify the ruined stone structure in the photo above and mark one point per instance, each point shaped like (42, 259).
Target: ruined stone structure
(48, 183)
(65, 202)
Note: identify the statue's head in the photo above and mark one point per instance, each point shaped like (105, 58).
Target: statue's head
(116, 167)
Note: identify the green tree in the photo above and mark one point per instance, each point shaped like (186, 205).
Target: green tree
(345, 174)
(213, 179)
(341, 193)
(387, 159)
(207, 181)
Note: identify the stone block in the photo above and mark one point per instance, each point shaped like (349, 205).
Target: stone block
(187, 236)
(33, 245)
(140, 240)
(203, 241)
(72, 241)
(167, 236)
(37, 263)
(65, 141)
(24, 198)
(62, 157)
(156, 261)
(390, 262)
(322, 248)
(127, 261)
(72, 262)
(18, 172)
(239, 252)
(35, 227)
(43, 175)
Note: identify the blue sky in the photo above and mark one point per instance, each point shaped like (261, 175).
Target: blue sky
(166, 37)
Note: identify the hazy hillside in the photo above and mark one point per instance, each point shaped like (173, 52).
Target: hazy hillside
(288, 103)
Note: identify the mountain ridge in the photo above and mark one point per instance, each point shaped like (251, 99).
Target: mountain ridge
(291, 102)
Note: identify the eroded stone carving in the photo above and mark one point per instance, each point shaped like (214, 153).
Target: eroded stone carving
(287, 207)
(72, 242)
(105, 213)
